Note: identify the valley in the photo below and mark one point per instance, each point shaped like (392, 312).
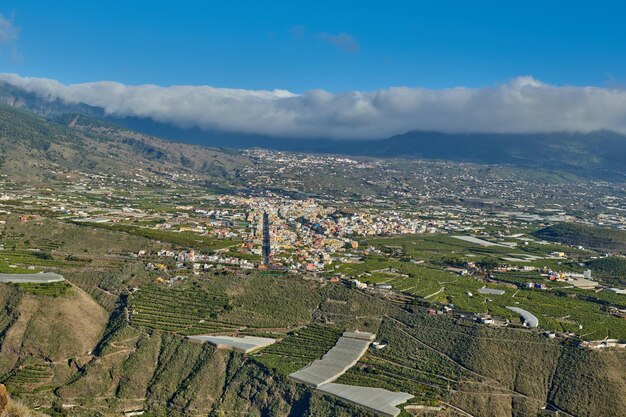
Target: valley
(157, 241)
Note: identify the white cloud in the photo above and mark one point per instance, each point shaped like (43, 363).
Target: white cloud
(8, 31)
(521, 105)
(343, 41)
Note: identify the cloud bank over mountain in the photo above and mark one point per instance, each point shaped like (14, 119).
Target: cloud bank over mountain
(522, 105)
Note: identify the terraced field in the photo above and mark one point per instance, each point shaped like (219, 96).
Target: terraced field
(186, 239)
(179, 311)
(9, 268)
(103, 286)
(440, 246)
(53, 289)
(16, 241)
(406, 365)
(32, 371)
(23, 258)
(422, 358)
(300, 348)
(559, 309)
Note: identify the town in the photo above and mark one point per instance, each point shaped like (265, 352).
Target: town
(485, 238)
(334, 254)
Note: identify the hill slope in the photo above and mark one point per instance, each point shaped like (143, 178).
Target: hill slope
(488, 372)
(597, 238)
(611, 269)
(600, 154)
(32, 147)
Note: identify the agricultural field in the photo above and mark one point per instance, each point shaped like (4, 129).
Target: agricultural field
(598, 238)
(106, 285)
(611, 270)
(261, 301)
(30, 372)
(179, 310)
(46, 244)
(560, 309)
(53, 289)
(299, 348)
(224, 304)
(408, 365)
(29, 261)
(124, 217)
(351, 310)
(184, 239)
(7, 268)
(440, 247)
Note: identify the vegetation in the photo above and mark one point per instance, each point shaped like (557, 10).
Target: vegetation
(112, 338)
(248, 304)
(560, 309)
(404, 365)
(53, 289)
(299, 348)
(16, 408)
(104, 286)
(611, 269)
(592, 237)
(186, 239)
(29, 372)
(93, 146)
(179, 311)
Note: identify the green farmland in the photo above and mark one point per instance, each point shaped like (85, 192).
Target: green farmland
(559, 309)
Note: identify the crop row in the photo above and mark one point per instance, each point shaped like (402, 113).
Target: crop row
(53, 289)
(300, 348)
(28, 374)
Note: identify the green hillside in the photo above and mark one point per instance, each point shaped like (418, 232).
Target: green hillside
(486, 372)
(591, 237)
(611, 269)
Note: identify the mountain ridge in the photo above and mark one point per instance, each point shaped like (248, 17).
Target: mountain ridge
(35, 147)
(599, 154)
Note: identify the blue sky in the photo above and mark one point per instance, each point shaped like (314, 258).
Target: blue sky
(331, 45)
